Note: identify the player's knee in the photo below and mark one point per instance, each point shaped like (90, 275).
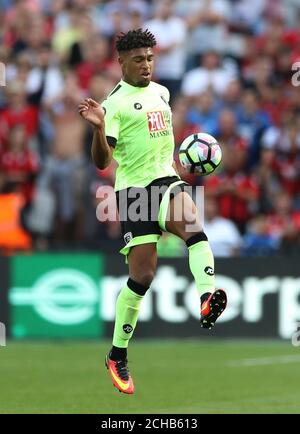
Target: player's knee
(145, 278)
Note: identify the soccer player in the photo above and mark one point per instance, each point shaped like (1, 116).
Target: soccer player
(134, 127)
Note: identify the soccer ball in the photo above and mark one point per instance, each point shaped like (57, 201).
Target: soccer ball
(200, 154)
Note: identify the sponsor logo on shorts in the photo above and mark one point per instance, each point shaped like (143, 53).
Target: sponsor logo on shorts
(127, 328)
(127, 237)
(209, 271)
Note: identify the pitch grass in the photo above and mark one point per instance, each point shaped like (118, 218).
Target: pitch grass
(170, 377)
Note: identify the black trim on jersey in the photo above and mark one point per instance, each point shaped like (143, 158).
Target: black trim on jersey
(115, 90)
(112, 141)
(164, 100)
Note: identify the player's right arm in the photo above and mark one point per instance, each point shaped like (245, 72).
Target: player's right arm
(101, 151)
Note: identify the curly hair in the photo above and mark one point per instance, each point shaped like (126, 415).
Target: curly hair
(135, 39)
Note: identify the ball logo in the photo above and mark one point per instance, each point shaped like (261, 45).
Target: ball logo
(127, 328)
(138, 106)
(209, 271)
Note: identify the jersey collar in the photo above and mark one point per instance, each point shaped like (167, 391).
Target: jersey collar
(129, 86)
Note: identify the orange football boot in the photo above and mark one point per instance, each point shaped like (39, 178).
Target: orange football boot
(120, 375)
(212, 307)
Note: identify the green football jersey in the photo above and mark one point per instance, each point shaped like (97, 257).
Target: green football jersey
(140, 119)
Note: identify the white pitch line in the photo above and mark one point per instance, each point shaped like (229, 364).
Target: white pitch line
(276, 360)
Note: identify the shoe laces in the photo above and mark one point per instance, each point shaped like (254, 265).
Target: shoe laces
(122, 369)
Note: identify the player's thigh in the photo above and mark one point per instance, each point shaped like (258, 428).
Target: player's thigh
(142, 261)
(183, 217)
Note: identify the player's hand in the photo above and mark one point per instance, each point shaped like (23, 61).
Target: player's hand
(92, 112)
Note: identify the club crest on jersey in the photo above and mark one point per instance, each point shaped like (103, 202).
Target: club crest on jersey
(137, 106)
(156, 121)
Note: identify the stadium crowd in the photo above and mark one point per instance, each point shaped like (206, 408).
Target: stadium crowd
(229, 67)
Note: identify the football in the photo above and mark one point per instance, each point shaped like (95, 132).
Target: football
(200, 154)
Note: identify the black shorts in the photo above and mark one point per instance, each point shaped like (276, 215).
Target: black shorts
(141, 210)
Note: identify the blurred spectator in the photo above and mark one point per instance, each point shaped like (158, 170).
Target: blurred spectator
(65, 168)
(231, 141)
(80, 26)
(210, 75)
(278, 231)
(207, 22)
(116, 15)
(286, 143)
(231, 98)
(23, 16)
(44, 85)
(236, 191)
(252, 123)
(182, 128)
(45, 81)
(18, 112)
(259, 71)
(20, 68)
(222, 233)
(273, 38)
(248, 15)
(95, 60)
(135, 19)
(18, 165)
(266, 178)
(170, 32)
(274, 101)
(204, 113)
(257, 241)
(284, 223)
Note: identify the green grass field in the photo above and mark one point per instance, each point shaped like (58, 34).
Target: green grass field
(170, 377)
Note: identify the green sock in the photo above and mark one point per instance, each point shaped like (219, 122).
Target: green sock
(201, 262)
(127, 311)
